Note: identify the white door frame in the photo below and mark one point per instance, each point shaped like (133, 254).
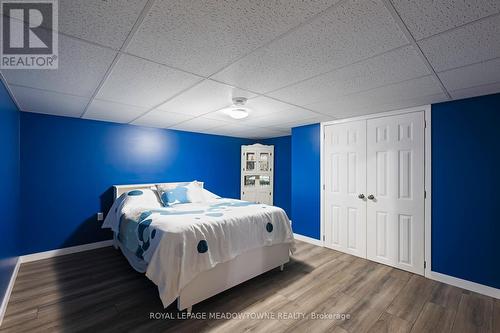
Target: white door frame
(427, 173)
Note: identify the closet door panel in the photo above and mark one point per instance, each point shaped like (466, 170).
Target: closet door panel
(345, 181)
(395, 188)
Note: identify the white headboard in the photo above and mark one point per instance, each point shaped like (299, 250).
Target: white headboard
(120, 189)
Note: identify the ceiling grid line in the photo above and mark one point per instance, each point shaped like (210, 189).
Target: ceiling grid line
(46, 90)
(399, 21)
(467, 65)
(338, 68)
(476, 86)
(286, 33)
(256, 126)
(167, 100)
(149, 110)
(228, 122)
(264, 95)
(316, 88)
(210, 77)
(379, 87)
(218, 109)
(481, 19)
(125, 43)
(283, 35)
(130, 36)
(257, 95)
(9, 90)
(123, 52)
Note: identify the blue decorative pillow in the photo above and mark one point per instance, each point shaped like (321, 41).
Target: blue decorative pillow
(182, 193)
(176, 196)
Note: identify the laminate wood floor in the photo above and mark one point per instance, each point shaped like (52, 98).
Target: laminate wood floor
(321, 290)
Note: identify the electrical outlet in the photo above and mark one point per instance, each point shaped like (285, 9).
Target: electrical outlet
(100, 216)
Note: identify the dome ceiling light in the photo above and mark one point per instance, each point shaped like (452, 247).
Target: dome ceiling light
(238, 109)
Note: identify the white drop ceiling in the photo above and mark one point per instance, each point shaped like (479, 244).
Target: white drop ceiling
(176, 64)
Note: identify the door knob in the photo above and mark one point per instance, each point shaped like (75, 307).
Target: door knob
(361, 196)
(371, 197)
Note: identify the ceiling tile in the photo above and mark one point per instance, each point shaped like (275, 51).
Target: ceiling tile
(259, 106)
(105, 22)
(425, 18)
(264, 133)
(263, 105)
(277, 118)
(221, 116)
(110, 111)
(250, 132)
(380, 106)
(384, 96)
(199, 124)
(473, 75)
(347, 33)
(481, 90)
(463, 46)
(414, 101)
(216, 131)
(236, 130)
(425, 86)
(161, 119)
(81, 68)
(202, 37)
(42, 101)
(361, 109)
(203, 98)
(398, 65)
(143, 83)
(286, 126)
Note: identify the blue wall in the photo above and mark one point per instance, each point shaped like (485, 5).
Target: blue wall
(69, 165)
(306, 180)
(63, 156)
(9, 195)
(282, 172)
(465, 189)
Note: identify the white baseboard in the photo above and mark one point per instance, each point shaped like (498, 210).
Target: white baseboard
(309, 240)
(465, 284)
(64, 251)
(45, 255)
(5, 301)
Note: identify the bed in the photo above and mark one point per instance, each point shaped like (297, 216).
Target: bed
(193, 251)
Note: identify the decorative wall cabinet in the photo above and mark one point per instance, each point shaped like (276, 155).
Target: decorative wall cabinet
(257, 167)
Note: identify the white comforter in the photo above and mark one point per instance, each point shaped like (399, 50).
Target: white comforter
(182, 241)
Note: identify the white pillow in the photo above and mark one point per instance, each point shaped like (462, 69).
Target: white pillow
(142, 198)
(195, 193)
(209, 196)
(131, 203)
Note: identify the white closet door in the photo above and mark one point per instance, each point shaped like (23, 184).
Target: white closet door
(395, 179)
(345, 181)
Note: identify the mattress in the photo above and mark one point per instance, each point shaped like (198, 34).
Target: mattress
(173, 245)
